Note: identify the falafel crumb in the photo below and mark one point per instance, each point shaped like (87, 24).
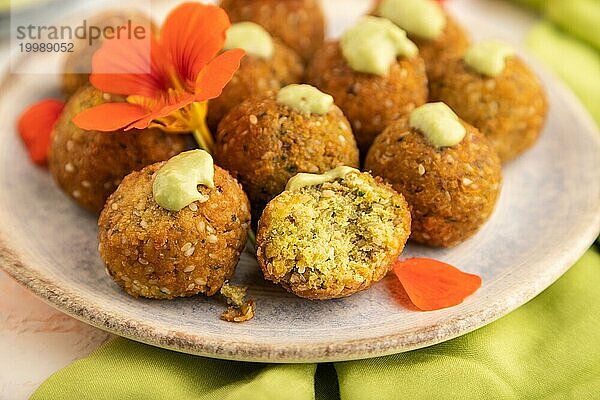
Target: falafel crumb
(239, 309)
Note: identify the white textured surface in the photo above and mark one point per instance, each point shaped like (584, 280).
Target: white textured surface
(36, 340)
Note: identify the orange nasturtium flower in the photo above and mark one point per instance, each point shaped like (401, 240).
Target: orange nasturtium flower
(185, 71)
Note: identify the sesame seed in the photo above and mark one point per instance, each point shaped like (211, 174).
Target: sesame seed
(253, 119)
(193, 207)
(86, 184)
(189, 252)
(190, 268)
(201, 226)
(388, 103)
(144, 224)
(210, 229)
(106, 96)
(467, 181)
(142, 261)
(186, 247)
(342, 139)
(165, 290)
(76, 194)
(191, 286)
(203, 198)
(200, 281)
(70, 145)
(212, 239)
(421, 170)
(69, 167)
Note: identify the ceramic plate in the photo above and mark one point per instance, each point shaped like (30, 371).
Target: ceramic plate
(548, 214)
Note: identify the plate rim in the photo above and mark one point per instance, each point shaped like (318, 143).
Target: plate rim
(73, 305)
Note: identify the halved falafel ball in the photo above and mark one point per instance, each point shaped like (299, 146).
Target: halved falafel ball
(156, 253)
(451, 191)
(300, 24)
(333, 239)
(510, 109)
(78, 63)
(264, 143)
(255, 77)
(449, 45)
(89, 165)
(371, 102)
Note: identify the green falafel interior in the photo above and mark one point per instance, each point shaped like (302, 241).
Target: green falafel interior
(373, 44)
(176, 183)
(252, 38)
(439, 124)
(305, 99)
(424, 18)
(488, 57)
(332, 238)
(303, 179)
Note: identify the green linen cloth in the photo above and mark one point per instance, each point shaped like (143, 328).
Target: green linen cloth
(547, 349)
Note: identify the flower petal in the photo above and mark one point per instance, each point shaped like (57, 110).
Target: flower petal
(433, 285)
(163, 108)
(217, 74)
(192, 35)
(129, 66)
(110, 117)
(35, 128)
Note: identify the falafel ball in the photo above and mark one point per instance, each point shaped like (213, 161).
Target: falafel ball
(449, 45)
(300, 24)
(257, 76)
(264, 143)
(78, 63)
(89, 165)
(452, 191)
(371, 102)
(510, 108)
(333, 239)
(156, 253)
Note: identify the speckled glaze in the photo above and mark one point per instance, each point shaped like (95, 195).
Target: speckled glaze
(548, 214)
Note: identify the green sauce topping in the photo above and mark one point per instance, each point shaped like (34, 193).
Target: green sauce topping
(176, 183)
(303, 180)
(488, 57)
(373, 44)
(439, 124)
(305, 99)
(252, 38)
(424, 18)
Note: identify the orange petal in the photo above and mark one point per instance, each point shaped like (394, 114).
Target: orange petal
(129, 66)
(35, 128)
(192, 35)
(162, 109)
(110, 117)
(433, 285)
(217, 74)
